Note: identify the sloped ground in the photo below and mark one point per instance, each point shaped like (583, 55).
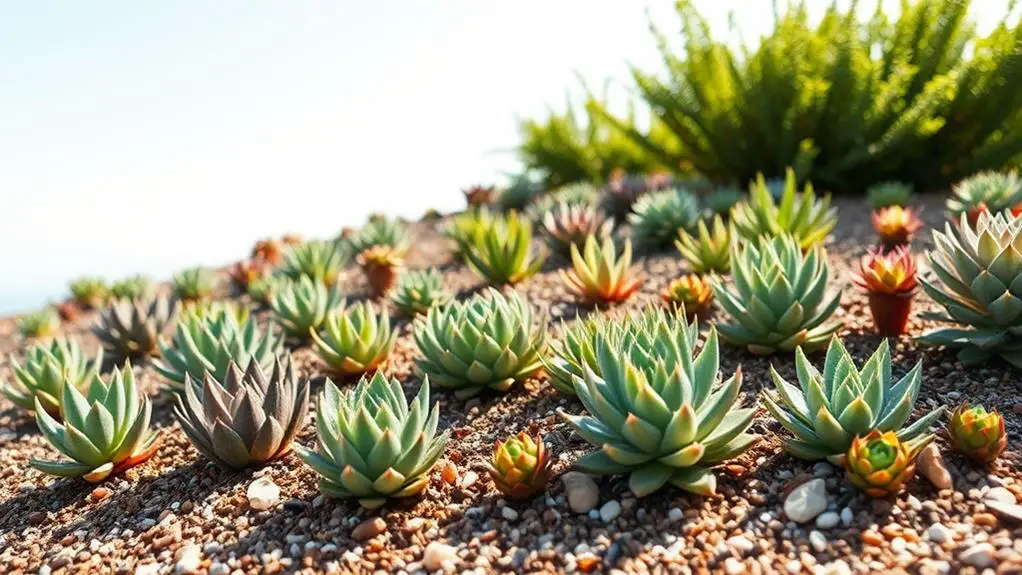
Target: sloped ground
(175, 504)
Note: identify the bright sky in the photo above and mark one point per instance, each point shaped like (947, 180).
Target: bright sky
(152, 136)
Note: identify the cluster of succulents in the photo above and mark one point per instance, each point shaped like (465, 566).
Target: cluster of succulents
(134, 287)
(805, 218)
(194, 284)
(303, 305)
(355, 340)
(41, 323)
(133, 329)
(657, 218)
(417, 291)
(710, 251)
(90, 292)
(320, 261)
(991, 192)
(380, 232)
(598, 275)
(47, 368)
(502, 252)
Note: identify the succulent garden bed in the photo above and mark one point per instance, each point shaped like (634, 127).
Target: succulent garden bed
(178, 512)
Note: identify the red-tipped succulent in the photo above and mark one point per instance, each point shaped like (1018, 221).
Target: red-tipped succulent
(890, 282)
(896, 225)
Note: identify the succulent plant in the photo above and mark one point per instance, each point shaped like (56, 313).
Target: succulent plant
(355, 340)
(692, 293)
(881, 463)
(381, 265)
(710, 252)
(417, 291)
(194, 284)
(660, 414)
(479, 196)
(291, 239)
(577, 194)
(896, 225)
(598, 275)
(105, 430)
(887, 194)
(243, 420)
(372, 444)
(986, 191)
(431, 215)
(320, 261)
(465, 227)
(621, 193)
(502, 252)
(809, 221)
(827, 410)
(574, 353)
(521, 191)
(978, 267)
(977, 433)
(303, 305)
(268, 250)
(90, 292)
(132, 329)
(777, 296)
(134, 287)
(720, 201)
(520, 466)
(483, 342)
(262, 289)
(48, 367)
(380, 232)
(245, 272)
(890, 282)
(657, 218)
(209, 340)
(38, 324)
(567, 225)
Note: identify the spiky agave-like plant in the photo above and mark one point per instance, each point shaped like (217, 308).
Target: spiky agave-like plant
(244, 420)
(320, 261)
(661, 417)
(566, 225)
(47, 368)
(302, 306)
(210, 340)
(484, 342)
(986, 191)
(978, 268)
(709, 252)
(355, 340)
(598, 275)
(133, 329)
(419, 290)
(105, 431)
(777, 296)
(809, 221)
(38, 324)
(371, 444)
(657, 218)
(194, 284)
(502, 252)
(827, 410)
(90, 292)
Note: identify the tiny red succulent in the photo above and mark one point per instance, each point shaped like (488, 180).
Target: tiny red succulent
(890, 282)
(520, 466)
(896, 225)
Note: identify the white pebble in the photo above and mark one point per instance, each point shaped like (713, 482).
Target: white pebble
(675, 514)
(846, 517)
(188, 558)
(733, 566)
(980, 555)
(436, 555)
(610, 511)
(938, 533)
(818, 541)
(741, 544)
(806, 501)
(509, 514)
(827, 520)
(262, 493)
(581, 490)
(898, 544)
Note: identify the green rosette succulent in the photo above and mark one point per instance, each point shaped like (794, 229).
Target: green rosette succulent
(133, 329)
(657, 218)
(371, 444)
(709, 251)
(90, 292)
(986, 191)
(658, 419)
(303, 305)
(134, 287)
(320, 261)
(501, 252)
(827, 410)
(886, 194)
(355, 340)
(417, 291)
(209, 340)
(777, 296)
(809, 221)
(484, 342)
(380, 232)
(39, 324)
(978, 270)
(194, 284)
(104, 431)
(47, 368)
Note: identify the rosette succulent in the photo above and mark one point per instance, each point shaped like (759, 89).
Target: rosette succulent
(372, 444)
(598, 275)
(381, 265)
(105, 430)
(777, 296)
(47, 368)
(355, 340)
(803, 217)
(657, 218)
(268, 251)
(887, 194)
(132, 329)
(380, 232)
(38, 324)
(710, 251)
(465, 227)
(890, 282)
(243, 420)
(303, 305)
(660, 414)
(692, 293)
(977, 268)
(320, 261)
(134, 287)
(209, 340)
(896, 225)
(566, 225)
(417, 291)
(827, 410)
(194, 284)
(502, 252)
(245, 272)
(518, 194)
(484, 342)
(881, 463)
(985, 192)
(977, 433)
(520, 466)
(90, 292)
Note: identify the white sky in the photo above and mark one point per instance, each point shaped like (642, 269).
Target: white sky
(151, 136)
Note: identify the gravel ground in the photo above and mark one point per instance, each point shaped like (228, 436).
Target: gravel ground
(178, 513)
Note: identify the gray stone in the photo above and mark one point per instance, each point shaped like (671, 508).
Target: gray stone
(806, 501)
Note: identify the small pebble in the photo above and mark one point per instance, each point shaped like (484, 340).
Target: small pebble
(610, 511)
(436, 555)
(368, 529)
(262, 493)
(581, 490)
(827, 520)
